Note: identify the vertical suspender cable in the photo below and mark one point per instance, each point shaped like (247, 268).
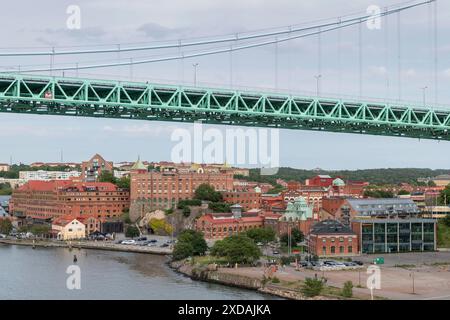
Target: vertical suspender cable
(435, 36)
(180, 63)
(231, 65)
(52, 61)
(399, 57)
(339, 61)
(276, 63)
(386, 53)
(289, 64)
(319, 53)
(360, 57)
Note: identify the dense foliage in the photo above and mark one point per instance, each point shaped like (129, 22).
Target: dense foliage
(263, 235)
(208, 193)
(296, 237)
(132, 231)
(190, 243)
(444, 197)
(236, 249)
(108, 176)
(13, 172)
(378, 193)
(5, 226)
(374, 176)
(160, 226)
(5, 189)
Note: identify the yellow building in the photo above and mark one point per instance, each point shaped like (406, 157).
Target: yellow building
(68, 228)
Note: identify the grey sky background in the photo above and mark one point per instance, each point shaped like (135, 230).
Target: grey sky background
(105, 22)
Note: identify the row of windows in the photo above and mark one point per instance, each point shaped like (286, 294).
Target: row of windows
(333, 249)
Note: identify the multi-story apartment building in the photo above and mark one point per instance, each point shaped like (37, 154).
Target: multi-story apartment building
(50, 199)
(92, 169)
(4, 167)
(163, 189)
(48, 175)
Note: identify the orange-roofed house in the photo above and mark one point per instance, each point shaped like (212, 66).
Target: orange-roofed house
(68, 228)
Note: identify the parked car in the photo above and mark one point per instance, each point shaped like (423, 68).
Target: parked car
(142, 239)
(275, 252)
(359, 263)
(153, 240)
(2, 236)
(128, 242)
(164, 245)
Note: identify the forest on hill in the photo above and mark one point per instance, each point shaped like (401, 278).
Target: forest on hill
(374, 176)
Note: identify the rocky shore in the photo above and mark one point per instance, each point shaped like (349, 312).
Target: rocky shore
(227, 277)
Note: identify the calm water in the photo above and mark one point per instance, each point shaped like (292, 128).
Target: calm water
(41, 274)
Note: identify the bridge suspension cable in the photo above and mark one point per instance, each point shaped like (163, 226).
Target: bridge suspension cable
(202, 53)
(214, 40)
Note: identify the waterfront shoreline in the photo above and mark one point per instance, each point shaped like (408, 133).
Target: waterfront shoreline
(239, 281)
(84, 245)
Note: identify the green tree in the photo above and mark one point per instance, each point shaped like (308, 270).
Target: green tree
(236, 249)
(107, 176)
(186, 211)
(182, 250)
(444, 197)
(160, 226)
(403, 193)
(5, 226)
(132, 231)
(5, 189)
(263, 235)
(446, 221)
(126, 216)
(296, 236)
(208, 193)
(123, 183)
(40, 229)
(347, 290)
(220, 207)
(312, 287)
(196, 239)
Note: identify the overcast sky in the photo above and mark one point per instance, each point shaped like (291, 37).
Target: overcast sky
(105, 22)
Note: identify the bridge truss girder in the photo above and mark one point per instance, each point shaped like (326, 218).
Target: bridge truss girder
(143, 101)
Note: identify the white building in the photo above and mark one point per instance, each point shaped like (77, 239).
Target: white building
(120, 174)
(48, 175)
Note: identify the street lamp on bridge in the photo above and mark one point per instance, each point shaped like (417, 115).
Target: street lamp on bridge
(423, 94)
(318, 77)
(195, 65)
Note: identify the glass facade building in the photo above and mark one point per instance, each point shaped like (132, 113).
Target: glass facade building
(395, 235)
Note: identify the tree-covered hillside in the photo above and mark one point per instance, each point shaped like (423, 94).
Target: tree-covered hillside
(374, 176)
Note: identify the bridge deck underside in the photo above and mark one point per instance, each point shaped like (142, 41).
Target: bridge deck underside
(111, 99)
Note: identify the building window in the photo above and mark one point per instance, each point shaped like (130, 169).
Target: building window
(333, 249)
(341, 239)
(324, 250)
(341, 249)
(350, 249)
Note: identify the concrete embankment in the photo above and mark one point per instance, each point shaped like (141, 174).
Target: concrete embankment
(88, 245)
(229, 278)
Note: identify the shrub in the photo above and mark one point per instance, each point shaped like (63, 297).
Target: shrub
(347, 290)
(275, 280)
(132, 232)
(312, 287)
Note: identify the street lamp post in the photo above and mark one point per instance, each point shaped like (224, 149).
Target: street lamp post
(423, 94)
(318, 77)
(195, 65)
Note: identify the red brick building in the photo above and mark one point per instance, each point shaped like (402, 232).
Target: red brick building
(330, 238)
(248, 199)
(50, 199)
(151, 190)
(92, 169)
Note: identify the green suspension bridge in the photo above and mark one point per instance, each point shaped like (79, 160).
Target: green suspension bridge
(22, 93)
(143, 101)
